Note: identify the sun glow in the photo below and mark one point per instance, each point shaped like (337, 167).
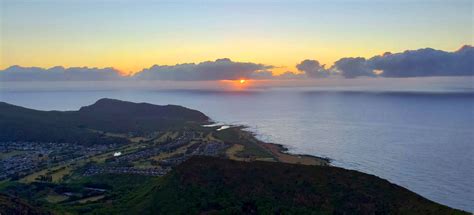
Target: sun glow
(238, 84)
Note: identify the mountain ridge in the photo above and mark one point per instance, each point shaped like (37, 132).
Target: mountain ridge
(106, 115)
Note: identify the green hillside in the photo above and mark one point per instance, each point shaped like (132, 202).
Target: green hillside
(204, 184)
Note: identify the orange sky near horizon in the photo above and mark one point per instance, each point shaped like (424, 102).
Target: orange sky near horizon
(129, 65)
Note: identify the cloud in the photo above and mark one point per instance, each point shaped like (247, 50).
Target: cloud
(313, 69)
(352, 67)
(288, 75)
(426, 62)
(411, 63)
(18, 73)
(221, 69)
(262, 75)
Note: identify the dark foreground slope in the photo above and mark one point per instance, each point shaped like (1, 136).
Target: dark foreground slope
(108, 115)
(209, 185)
(12, 205)
(204, 184)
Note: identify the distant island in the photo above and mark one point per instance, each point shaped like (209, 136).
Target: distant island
(118, 157)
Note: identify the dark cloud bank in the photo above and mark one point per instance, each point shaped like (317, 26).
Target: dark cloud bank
(18, 73)
(412, 63)
(221, 69)
(417, 63)
(313, 69)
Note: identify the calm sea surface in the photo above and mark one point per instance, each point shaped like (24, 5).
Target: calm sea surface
(422, 141)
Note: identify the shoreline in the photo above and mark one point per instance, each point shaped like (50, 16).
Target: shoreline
(283, 155)
(280, 152)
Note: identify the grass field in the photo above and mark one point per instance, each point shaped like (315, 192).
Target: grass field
(56, 173)
(233, 150)
(162, 156)
(10, 154)
(91, 199)
(55, 198)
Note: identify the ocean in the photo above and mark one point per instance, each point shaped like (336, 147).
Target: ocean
(421, 140)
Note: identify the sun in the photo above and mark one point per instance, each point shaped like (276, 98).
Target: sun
(242, 81)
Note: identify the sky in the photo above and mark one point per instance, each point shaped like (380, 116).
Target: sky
(134, 35)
